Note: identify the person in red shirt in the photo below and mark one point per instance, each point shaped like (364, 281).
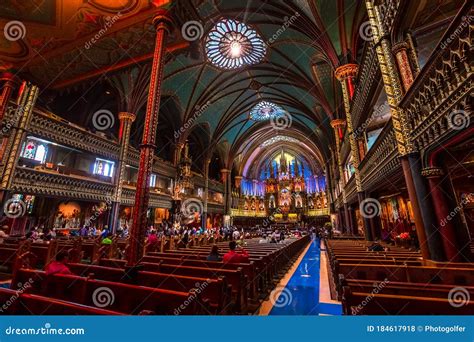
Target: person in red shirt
(58, 266)
(233, 257)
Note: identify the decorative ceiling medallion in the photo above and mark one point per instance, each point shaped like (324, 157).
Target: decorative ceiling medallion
(265, 110)
(232, 44)
(279, 138)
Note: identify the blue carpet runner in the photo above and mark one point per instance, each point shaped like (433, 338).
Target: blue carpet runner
(301, 294)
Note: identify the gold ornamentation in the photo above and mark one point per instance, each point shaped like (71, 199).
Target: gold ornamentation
(432, 172)
(346, 71)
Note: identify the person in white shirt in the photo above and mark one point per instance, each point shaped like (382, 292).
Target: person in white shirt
(236, 235)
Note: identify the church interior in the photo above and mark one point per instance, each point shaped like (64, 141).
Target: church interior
(236, 157)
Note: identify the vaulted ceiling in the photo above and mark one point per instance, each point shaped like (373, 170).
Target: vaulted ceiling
(74, 48)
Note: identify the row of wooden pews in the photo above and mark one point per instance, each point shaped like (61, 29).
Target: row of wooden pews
(169, 282)
(396, 281)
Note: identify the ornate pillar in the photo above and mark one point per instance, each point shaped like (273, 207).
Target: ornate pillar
(162, 23)
(403, 63)
(443, 213)
(126, 120)
(346, 74)
(177, 152)
(255, 186)
(24, 112)
(362, 145)
(415, 65)
(10, 81)
(330, 193)
(405, 147)
(207, 161)
(338, 125)
(225, 174)
(238, 181)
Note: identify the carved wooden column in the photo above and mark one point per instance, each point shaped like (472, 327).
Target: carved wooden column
(393, 90)
(338, 125)
(162, 23)
(238, 181)
(10, 81)
(346, 74)
(403, 63)
(412, 54)
(126, 120)
(177, 152)
(207, 161)
(24, 113)
(225, 174)
(443, 213)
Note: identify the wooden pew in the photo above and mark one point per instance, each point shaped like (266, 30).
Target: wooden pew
(30, 304)
(235, 278)
(402, 288)
(7, 259)
(124, 298)
(215, 290)
(416, 274)
(364, 303)
(248, 269)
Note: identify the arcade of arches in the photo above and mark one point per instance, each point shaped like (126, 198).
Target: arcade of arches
(137, 134)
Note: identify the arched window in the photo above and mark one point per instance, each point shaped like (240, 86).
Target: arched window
(29, 150)
(41, 152)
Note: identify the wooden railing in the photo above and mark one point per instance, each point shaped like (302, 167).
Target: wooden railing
(317, 212)
(247, 213)
(350, 188)
(381, 160)
(437, 100)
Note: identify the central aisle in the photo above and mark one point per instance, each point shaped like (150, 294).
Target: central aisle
(301, 294)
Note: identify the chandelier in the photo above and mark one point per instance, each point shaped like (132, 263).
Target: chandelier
(265, 110)
(232, 44)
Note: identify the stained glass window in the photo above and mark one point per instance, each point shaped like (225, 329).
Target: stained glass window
(265, 110)
(104, 167)
(32, 150)
(232, 44)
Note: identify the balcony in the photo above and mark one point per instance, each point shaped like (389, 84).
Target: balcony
(436, 101)
(317, 212)
(247, 213)
(381, 161)
(350, 188)
(51, 127)
(369, 76)
(52, 183)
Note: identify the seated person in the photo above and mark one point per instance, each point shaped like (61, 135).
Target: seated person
(214, 255)
(233, 257)
(263, 239)
(152, 238)
(376, 247)
(107, 240)
(58, 266)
